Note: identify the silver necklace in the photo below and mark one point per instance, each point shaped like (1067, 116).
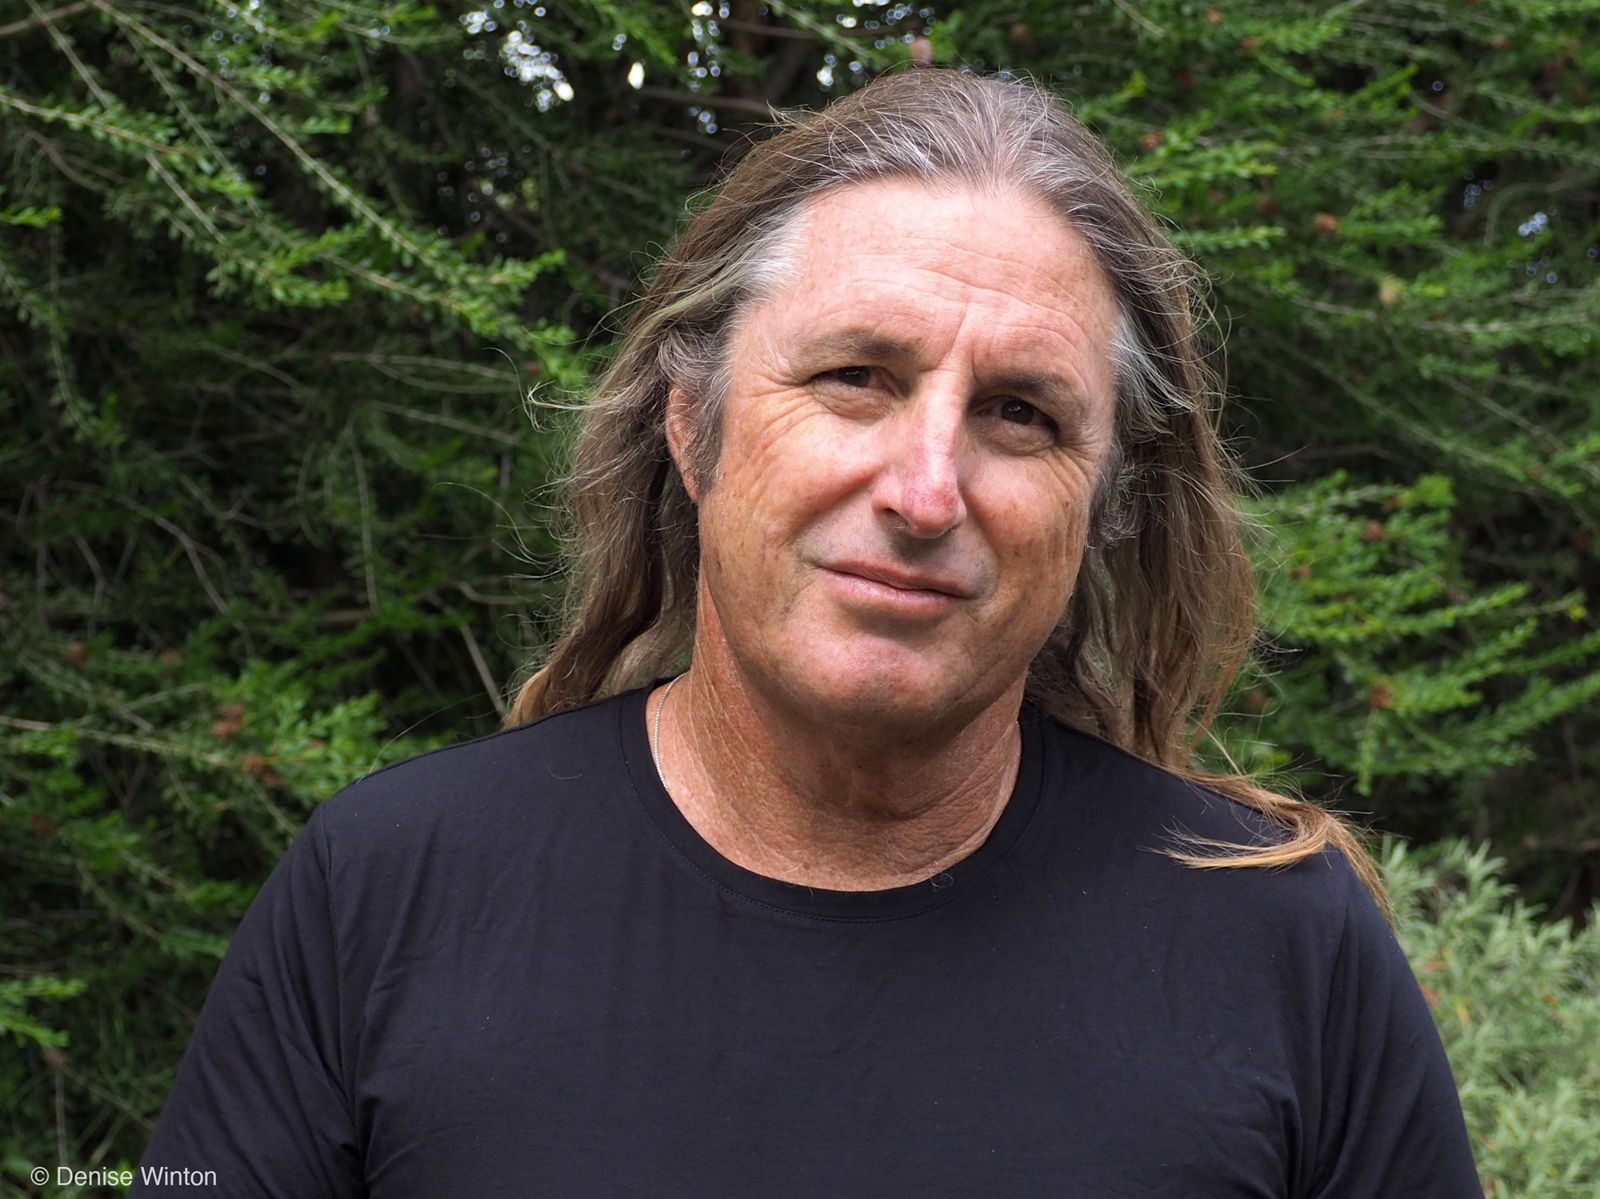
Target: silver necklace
(660, 708)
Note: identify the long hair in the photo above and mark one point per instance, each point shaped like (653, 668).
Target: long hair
(1163, 611)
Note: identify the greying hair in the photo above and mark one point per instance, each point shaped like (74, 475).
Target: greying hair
(1163, 610)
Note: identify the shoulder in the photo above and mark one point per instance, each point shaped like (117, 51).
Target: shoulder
(480, 793)
(1128, 798)
(1128, 817)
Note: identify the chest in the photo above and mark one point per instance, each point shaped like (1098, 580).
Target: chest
(653, 1051)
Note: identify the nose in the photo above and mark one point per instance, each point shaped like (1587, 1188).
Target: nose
(920, 488)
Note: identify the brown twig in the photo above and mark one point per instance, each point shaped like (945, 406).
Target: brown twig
(482, 667)
(44, 18)
(690, 100)
(756, 27)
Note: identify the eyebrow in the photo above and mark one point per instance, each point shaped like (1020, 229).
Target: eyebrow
(1040, 385)
(856, 343)
(877, 347)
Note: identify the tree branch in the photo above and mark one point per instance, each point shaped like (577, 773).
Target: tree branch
(726, 103)
(777, 31)
(44, 18)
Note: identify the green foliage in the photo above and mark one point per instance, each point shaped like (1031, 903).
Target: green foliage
(1517, 1002)
(136, 826)
(14, 997)
(1386, 663)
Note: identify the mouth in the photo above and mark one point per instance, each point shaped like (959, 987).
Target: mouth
(912, 583)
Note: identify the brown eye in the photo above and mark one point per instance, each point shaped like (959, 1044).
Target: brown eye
(1019, 412)
(852, 376)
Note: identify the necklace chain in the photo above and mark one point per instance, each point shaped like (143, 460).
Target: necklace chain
(660, 708)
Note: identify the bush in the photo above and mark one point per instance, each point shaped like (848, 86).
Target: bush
(1517, 1002)
(121, 896)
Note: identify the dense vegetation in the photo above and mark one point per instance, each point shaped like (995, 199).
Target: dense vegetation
(276, 277)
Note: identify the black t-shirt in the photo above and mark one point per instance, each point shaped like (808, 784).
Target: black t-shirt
(511, 968)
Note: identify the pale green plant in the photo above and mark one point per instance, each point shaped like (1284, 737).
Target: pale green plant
(1517, 1002)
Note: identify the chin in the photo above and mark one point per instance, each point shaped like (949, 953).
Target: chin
(877, 700)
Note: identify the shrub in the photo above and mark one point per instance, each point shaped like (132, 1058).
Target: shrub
(1517, 1002)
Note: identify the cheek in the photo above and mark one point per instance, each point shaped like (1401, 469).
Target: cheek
(748, 518)
(1038, 539)
(733, 537)
(1042, 510)
(787, 471)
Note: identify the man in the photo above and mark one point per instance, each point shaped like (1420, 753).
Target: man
(902, 886)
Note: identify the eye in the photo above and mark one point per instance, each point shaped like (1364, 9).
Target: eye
(1020, 412)
(1018, 425)
(850, 376)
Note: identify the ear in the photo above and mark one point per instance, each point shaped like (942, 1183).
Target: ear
(679, 419)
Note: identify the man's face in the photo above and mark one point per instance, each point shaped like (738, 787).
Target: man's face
(912, 436)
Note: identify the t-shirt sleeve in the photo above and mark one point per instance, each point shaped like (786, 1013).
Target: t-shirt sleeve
(1392, 1124)
(259, 1100)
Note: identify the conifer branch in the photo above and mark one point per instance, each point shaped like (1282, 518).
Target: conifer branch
(69, 117)
(191, 550)
(196, 125)
(109, 102)
(348, 195)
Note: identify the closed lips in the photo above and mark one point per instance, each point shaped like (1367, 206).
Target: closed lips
(902, 581)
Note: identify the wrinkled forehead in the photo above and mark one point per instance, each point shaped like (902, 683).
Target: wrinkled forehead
(937, 266)
(895, 210)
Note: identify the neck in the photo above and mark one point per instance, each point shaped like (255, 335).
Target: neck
(840, 807)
